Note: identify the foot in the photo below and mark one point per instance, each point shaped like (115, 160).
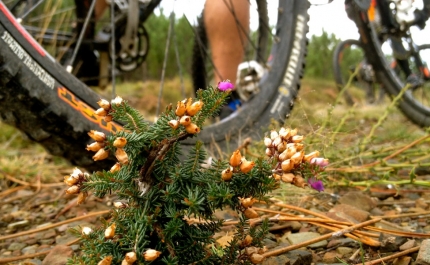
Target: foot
(414, 80)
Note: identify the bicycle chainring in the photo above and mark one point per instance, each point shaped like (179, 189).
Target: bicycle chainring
(129, 61)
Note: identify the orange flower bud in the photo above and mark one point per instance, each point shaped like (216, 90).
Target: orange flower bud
(110, 231)
(287, 165)
(95, 146)
(81, 197)
(120, 142)
(115, 168)
(267, 142)
(106, 261)
(194, 108)
(293, 132)
(101, 112)
(287, 177)
(101, 154)
(98, 136)
(73, 190)
(117, 101)
(281, 147)
(180, 109)
(121, 155)
(298, 146)
(270, 152)
(247, 241)
(284, 133)
(130, 257)
(70, 180)
(188, 102)
(250, 213)
(236, 158)
(246, 165)
(108, 118)
(86, 230)
(192, 128)
(276, 176)
(120, 205)
(151, 254)
(226, 174)
(273, 134)
(185, 120)
(103, 103)
(77, 173)
(299, 181)
(174, 124)
(277, 141)
(247, 202)
(308, 157)
(297, 138)
(256, 258)
(297, 157)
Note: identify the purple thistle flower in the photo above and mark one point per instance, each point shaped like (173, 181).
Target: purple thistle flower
(225, 85)
(316, 184)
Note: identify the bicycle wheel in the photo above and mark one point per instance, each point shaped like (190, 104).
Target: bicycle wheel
(57, 110)
(415, 101)
(349, 62)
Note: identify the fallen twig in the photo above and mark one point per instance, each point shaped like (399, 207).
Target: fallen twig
(52, 225)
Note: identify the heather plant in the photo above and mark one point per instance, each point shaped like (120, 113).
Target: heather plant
(166, 195)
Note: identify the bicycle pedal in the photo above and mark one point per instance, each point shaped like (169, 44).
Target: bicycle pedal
(249, 75)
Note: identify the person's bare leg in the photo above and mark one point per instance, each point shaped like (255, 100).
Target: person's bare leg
(100, 8)
(226, 38)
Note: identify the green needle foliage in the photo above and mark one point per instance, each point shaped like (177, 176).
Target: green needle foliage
(166, 197)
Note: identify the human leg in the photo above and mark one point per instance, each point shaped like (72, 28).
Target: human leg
(227, 26)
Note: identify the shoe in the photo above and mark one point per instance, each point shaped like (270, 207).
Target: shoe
(415, 81)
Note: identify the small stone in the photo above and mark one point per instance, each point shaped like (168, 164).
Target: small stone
(17, 225)
(359, 200)
(350, 211)
(342, 242)
(405, 260)
(58, 255)
(299, 257)
(32, 262)
(269, 243)
(298, 238)
(421, 203)
(423, 257)
(390, 243)
(16, 246)
(344, 250)
(331, 257)
(409, 244)
(281, 259)
(63, 240)
(29, 250)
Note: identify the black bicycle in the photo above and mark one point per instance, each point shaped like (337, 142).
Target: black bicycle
(54, 108)
(388, 32)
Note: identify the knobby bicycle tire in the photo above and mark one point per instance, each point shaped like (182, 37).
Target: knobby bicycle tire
(55, 109)
(411, 108)
(337, 71)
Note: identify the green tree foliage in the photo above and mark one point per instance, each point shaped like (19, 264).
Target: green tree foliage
(320, 56)
(158, 27)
